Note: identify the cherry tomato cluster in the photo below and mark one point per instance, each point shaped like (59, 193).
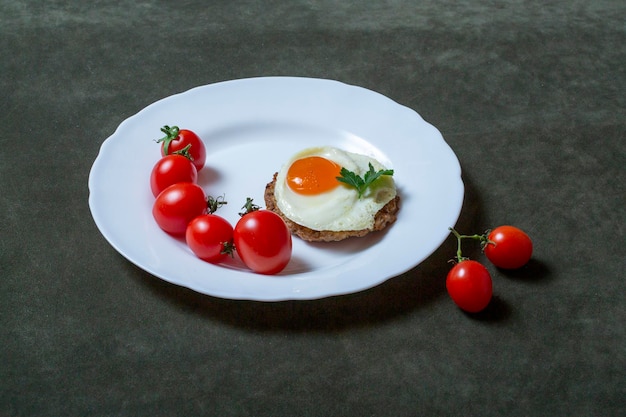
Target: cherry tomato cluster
(182, 208)
(469, 283)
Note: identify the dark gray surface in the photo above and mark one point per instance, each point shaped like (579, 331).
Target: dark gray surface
(530, 95)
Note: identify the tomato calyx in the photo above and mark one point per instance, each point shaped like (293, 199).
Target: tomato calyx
(228, 248)
(183, 152)
(484, 240)
(214, 203)
(171, 133)
(249, 207)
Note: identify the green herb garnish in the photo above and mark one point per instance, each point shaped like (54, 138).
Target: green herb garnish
(361, 184)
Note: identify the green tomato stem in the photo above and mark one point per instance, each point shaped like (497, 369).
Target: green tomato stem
(184, 152)
(171, 133)
(483, 239)
(459, 252)
(249, 207)
(213, 203)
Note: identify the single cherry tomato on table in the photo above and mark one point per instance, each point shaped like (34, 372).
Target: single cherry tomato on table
(172, 169)
(177, 139)
(508, 247)
(262, 240)
(469, 285)
(177, 205)
(210, 237)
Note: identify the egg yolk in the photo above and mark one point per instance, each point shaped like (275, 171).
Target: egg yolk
(313, 175)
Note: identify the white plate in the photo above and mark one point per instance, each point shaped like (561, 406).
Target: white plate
(250, 127)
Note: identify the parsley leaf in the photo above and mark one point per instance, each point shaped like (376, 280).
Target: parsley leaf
(361, 184)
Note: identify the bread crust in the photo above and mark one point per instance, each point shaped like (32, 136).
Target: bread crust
(385, 217)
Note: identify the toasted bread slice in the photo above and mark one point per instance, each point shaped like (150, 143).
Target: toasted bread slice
(385, 216)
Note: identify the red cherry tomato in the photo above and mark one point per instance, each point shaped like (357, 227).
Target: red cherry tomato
(172, 169)
(469, 285)
(178, 139)
(511, 247)
(210, 237)
(177, 205)
(263, 242)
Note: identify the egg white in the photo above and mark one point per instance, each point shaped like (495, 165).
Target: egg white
(339, 209)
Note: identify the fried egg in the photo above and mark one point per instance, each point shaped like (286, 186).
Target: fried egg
(308, 193)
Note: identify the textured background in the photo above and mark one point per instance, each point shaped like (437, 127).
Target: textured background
(529, 94)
